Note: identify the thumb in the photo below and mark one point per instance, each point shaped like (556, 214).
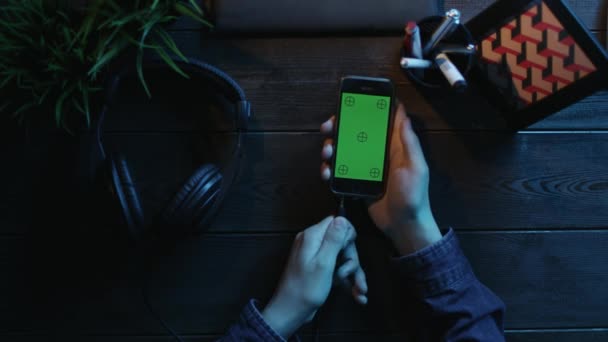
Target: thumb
(411, 144)
(333, 241)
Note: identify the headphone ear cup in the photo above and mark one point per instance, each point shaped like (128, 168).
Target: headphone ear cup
(196, 202)
(124, 190)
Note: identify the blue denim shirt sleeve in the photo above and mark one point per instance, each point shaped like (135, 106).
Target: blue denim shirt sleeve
(457, 307)
(251, 327)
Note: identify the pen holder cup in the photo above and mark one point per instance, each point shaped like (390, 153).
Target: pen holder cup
(433, 78)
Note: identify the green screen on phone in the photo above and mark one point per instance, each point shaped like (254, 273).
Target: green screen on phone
(362, 130)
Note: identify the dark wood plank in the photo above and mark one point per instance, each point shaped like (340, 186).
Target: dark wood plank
(199, 285)
(477, 181)
(592, 335)
(38, 165)
(591, 12)
(293, 85)
(532, 335)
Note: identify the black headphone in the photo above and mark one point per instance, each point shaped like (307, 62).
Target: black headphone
(198, 200)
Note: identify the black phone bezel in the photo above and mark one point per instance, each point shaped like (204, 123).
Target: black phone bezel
(367, 86)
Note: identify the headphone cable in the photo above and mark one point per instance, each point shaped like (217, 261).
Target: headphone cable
(146, 298)
(316, 326)
(144, 292)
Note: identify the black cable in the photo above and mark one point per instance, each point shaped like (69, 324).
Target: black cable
(144, 292)
(341, 210)
(144, 272)
(316, 326)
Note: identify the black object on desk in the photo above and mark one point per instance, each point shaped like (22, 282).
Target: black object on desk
(314, 16)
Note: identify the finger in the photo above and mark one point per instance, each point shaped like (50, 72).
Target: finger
(328, 126)
(358, 276)
(411, 144)
(351, 276)
(333, 242)
(312, 238)
(328, 149)
(360, 281)
(360, 298)
(345, 270)
(325, 172)
(396, 147)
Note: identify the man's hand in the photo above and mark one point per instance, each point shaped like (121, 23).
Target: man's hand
(310, 270)
(404, 212)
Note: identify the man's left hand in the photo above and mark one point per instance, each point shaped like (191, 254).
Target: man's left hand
(310, 271)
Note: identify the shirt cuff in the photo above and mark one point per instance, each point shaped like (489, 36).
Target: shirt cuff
(252, 316)
(436, 268)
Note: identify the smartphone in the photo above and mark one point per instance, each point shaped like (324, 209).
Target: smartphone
(363, 132)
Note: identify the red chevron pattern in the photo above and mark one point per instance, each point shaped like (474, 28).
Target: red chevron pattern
(541, 56)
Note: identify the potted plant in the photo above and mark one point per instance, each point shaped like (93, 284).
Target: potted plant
(54, 55)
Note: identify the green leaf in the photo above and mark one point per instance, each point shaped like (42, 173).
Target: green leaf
(140, 71)
(54, 67)
(167, 19)
(22, 109)
(161, 52)
(137, 43)
(170, 43)
(6, 80)
(59, 106)
(187, 11)
(77, 105)
(196, 7)
(105, 59)
(154, 4)
(146, 31)
(85, 29)
(85, 101)
(63, 15)
(44, 95)
(126, 19)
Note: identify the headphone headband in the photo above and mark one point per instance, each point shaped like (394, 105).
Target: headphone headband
(95, 154)
(196, 69)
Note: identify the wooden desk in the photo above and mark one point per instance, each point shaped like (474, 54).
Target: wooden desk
(531, 209)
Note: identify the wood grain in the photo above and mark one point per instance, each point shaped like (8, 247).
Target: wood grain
(199, 285)
(293, 85)
(478, 181)
(591, 335)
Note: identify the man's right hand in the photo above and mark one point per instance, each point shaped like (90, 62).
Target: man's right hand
(404, 212)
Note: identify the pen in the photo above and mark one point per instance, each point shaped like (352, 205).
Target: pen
(414, 63)
(451, 72)
(412, 33)
(457, 49)
(447, 26)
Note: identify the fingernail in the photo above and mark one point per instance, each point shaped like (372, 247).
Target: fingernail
(326, 174)
(339, 225)
(327, 150)
(324, 125)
